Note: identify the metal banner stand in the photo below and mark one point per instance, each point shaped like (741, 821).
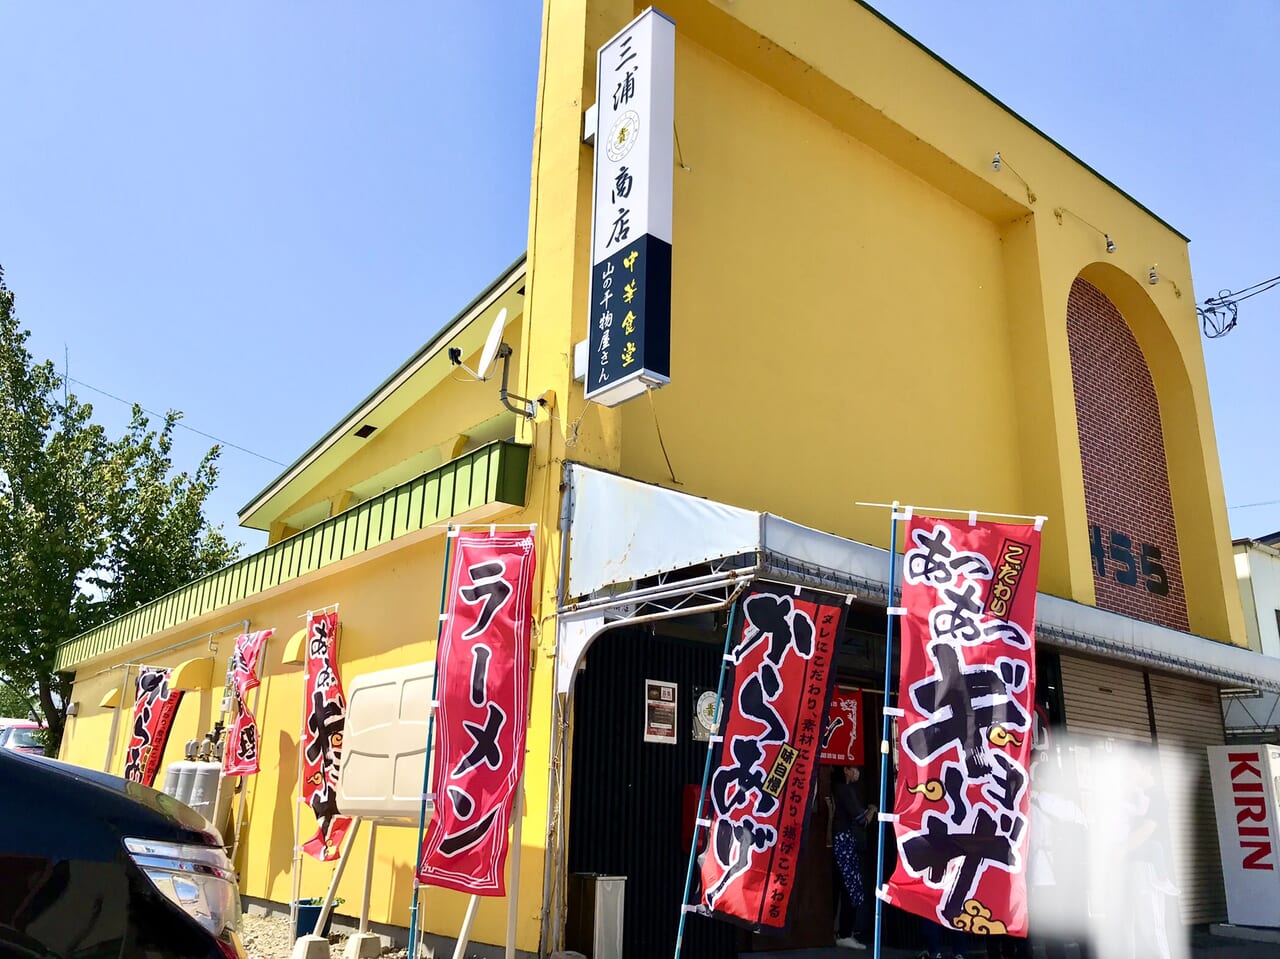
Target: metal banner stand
(297, 845)
(896, 516)
(698, 822)
(451, 532)
(115, 720)
(327, 906)
(888, 712)
(297, 811)
(464, 934)
(244, 779)
(513, 886)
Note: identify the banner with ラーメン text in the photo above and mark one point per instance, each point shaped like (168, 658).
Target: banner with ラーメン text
(242, 750)
(763, 772)
(324, 720)
(153, 711)
(482, 717)
(967, 692)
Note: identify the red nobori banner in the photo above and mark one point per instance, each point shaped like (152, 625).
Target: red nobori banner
(153, 712)
(482, 679)
(763, 774)
(842, 735)
(967, 691)
(324, 720)
(241, 757)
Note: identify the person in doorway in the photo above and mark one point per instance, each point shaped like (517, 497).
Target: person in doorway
(850, 819)
(941, 942)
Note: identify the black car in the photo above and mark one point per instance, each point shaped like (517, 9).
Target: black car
(92, 866)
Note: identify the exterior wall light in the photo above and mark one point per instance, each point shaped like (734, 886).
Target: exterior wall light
(1061, 211)
(998, 163)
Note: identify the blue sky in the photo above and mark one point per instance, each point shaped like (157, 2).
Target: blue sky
(254, 212)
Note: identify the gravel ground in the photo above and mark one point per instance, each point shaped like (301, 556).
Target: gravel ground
(267, 937)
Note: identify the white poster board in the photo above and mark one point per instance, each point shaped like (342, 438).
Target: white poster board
(660, 712)
(1246, 798)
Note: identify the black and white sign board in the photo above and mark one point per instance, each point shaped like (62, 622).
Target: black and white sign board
(629, 323)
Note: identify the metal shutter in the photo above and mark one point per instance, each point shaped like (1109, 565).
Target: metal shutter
(1189, 718)
(1105, 699)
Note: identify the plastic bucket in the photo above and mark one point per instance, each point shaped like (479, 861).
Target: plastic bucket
(307, 916)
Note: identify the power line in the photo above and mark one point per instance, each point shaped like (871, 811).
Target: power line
(1218, 313)
(179, 423)
(1265, 502)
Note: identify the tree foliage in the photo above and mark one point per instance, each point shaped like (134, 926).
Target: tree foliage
(90, 526)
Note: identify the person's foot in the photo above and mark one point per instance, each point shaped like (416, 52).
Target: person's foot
(848, 942)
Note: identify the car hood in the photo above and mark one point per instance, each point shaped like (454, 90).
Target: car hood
(129, 808)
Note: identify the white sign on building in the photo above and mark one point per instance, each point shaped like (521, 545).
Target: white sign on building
(629, 318)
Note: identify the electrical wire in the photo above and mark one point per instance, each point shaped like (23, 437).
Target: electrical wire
(179, 423)
(1265, 502)
(1219, 314)
(658, 429)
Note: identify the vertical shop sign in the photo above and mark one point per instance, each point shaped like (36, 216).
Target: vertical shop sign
(242, 752)
(967, 691)
(322, 730)
(629, 323)
(482, 676)
(763, 772)
(1246, 796)
(154, 707)
(842, 734)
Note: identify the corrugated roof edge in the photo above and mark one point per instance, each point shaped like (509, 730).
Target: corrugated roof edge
(1019, 117)
(430, 347)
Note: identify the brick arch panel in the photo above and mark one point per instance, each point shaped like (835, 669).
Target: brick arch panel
(1126, 477)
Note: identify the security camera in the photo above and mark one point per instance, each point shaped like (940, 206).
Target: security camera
(455, 356)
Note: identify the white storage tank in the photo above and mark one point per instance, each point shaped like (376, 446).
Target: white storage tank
(203, 796)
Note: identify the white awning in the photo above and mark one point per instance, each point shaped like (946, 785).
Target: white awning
(627, 536)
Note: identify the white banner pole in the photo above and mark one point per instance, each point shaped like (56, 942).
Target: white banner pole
(464, 935)
(368, 882)
(297, 845)
(513, 890)
(115, 722)
(327, 907)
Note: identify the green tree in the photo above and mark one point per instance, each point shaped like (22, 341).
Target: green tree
(15, 704)
(90, 526)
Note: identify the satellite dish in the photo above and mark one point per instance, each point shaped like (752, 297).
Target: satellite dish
(491, 345)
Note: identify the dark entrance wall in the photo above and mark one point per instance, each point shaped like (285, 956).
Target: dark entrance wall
(1137, 569)
(625, 809)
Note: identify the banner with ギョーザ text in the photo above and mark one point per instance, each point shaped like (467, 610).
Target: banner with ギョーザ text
(967, 693)
(763, 773)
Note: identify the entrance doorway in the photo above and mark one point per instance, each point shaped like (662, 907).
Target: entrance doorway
(630, 811)
(627, 795)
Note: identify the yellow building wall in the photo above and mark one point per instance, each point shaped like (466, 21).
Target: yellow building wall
(828, 302)
(863, 308)
(389, 612)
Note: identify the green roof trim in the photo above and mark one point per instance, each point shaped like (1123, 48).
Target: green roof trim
(493, 474)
